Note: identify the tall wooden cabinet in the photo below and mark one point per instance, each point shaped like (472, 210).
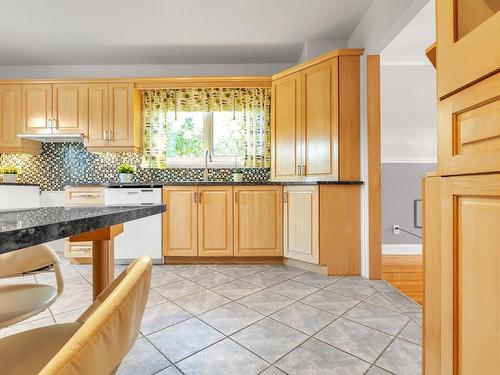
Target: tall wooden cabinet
(10, 122)
(461, 202)
(315, 119)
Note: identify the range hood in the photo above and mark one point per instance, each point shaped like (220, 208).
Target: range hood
(53, 138)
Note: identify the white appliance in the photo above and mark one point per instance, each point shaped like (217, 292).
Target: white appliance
(142, 236)
(13, 197)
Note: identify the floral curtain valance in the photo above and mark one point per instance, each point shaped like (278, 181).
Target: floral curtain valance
(255, 103)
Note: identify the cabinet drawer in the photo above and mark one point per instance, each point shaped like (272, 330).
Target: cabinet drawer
(469, 130)
(78, 249)
(84, 196)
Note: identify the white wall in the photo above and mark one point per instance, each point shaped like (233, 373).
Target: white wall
(408, 113)
(382, 22)
(314, 48)
(119, 71)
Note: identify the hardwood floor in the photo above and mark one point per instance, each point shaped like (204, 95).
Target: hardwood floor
(405, 272)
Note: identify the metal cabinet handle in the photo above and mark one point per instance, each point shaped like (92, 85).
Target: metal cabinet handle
(110, 135)
(195, 197)
(285, 197)
(304, 170)
(199, 197)
(300, 170)
(235, 197)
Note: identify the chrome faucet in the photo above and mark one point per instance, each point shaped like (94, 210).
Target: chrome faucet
(208, 158)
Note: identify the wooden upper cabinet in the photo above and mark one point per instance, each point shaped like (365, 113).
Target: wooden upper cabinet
(468, 36)
(315, 119)
(301, 223)
(320, 121)
(114, 117)
(70, 108)
(123, 132)
(10, 122)
(180, 232)
(215, 221)
(286, 128)
(98, 115)
(258, 213)
(37, 108)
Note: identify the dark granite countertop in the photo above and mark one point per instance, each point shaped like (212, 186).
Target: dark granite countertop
(23, 228)
(17, 184)
(216, 183)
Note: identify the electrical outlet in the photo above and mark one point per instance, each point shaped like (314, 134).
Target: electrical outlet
(395, 229)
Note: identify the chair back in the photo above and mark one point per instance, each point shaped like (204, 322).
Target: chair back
(110, 325)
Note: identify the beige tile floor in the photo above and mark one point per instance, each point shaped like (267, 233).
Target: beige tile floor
(256, 319)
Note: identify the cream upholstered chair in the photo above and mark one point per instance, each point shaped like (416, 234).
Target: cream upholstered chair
(96, 343)
(22, 301)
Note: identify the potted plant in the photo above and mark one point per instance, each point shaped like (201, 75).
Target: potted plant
(10, 173)
(125, 172)
(238, 175)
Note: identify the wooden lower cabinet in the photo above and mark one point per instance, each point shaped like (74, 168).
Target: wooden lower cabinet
(462, 268)
(215, 221)
(301, 223)
(340, 229)
(180, 222)
(258, 221)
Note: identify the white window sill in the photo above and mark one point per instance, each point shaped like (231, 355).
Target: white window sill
(217, 163)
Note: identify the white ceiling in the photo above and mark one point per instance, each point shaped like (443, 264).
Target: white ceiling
(410, 44)
(36, 32)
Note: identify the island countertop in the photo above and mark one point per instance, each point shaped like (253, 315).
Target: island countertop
(28, 227)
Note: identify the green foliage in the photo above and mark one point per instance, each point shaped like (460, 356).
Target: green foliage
(188, 141)
(126, 168)
(9, 170)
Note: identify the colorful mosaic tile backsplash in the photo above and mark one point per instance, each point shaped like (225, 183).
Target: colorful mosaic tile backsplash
(70, 163)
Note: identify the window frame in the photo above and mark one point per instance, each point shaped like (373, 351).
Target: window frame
(208, 138)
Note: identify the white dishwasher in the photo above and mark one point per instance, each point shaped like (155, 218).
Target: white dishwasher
(141, 236)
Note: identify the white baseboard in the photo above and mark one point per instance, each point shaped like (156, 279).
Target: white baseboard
(406, 249)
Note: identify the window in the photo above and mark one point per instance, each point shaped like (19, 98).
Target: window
(181, 125)
(193, 133)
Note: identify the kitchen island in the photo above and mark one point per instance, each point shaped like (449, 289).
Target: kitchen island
(23, 228)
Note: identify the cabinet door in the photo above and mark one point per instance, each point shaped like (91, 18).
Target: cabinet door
(121, 115)
(468, 36)
(301, 228)
(320, 119)
(98, 115)
(286, 128)
(37, 108)
(470, 269)
(70, 108)
(10, 115)
(258, 221)
(215, 221)
(469, 129)
(180, 221)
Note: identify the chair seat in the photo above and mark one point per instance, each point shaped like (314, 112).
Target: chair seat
(28, 352)
(21, 301)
